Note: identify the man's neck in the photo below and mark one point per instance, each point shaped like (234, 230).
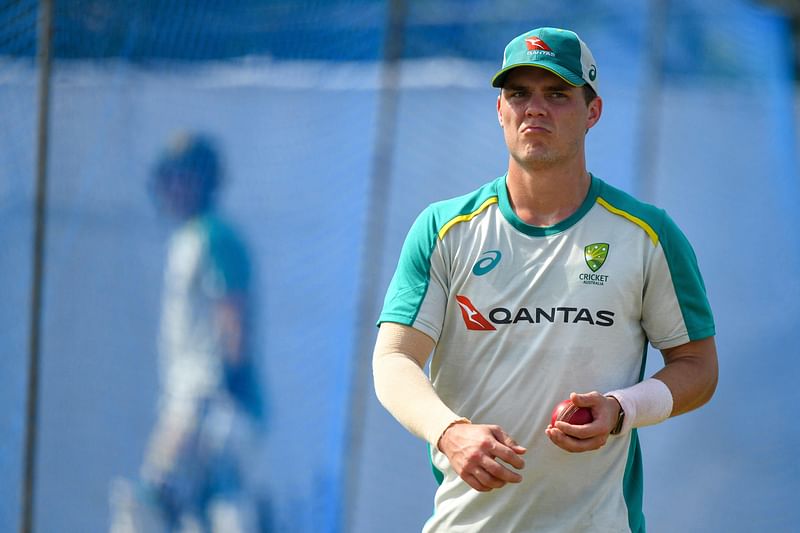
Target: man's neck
(546, 196)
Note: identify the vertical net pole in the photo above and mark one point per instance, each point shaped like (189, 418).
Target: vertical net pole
(44, 61)
(646, 157)
(374, 237)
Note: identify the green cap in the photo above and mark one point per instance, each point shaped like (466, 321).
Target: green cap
(560, 51)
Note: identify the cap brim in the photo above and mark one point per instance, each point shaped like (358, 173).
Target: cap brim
(499, 79)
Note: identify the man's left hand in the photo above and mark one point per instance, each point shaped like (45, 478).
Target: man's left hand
(593, 435)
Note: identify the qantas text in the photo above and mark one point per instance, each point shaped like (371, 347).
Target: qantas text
(567, 315)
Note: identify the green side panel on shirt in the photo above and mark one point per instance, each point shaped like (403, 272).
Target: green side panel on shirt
(633, 485)
(633, 479)
(681, 260)
(410, 282)
(437, 474)
(228, 255)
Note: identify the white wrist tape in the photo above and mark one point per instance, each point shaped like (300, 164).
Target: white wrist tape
(645, 403)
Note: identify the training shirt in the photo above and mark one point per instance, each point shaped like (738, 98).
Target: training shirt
(523, 316)
(206, 261)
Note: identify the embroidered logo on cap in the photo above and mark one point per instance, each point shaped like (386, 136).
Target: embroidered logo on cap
(534, 43)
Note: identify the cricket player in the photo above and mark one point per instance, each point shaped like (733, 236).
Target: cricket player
(544, 284)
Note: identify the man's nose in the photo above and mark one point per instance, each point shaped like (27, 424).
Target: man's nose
(536, 105)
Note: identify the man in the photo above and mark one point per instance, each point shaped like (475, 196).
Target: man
(544, 284)
(210, 404)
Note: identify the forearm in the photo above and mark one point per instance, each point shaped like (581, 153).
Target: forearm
(691, 376)
(686, 382)
(230, 322)
(402, 386)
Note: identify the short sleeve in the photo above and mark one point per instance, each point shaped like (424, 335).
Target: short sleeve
(675, 305)
(417, 293)
(229, 265)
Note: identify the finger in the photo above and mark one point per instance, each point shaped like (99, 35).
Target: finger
(475, 483)
(562, 440)
(499, 472)
(585, 445)
(506, 439)
(507, 449)
(488, 479)
(506, 454)
(551, 434)
(589, 399)
(571, 444)
(584, 431)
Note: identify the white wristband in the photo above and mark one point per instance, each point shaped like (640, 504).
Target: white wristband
(645, 403)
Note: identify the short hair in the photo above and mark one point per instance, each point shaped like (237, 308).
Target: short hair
(589, 94)
(192, 159)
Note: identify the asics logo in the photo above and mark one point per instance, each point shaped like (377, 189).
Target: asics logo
(487, 262)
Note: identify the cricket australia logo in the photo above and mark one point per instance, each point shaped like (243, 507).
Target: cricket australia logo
(595, 256)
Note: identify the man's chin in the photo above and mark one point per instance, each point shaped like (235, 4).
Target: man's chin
(536, 159)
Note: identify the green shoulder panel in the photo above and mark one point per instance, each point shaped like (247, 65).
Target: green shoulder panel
(646, 216)
(688, 281)
(412, 276)
(681, 260)
(228, 255)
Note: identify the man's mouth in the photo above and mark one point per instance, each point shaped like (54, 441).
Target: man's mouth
(534, 128)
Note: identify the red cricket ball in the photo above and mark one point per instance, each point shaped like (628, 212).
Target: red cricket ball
(568, 412)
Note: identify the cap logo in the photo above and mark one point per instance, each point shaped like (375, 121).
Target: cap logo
(534, 43)
(592, 73)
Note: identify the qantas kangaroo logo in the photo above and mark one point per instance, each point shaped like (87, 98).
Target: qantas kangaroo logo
(472, 317)
(534, 43)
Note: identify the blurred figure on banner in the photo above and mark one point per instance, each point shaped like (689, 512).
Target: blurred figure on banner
(198, 472)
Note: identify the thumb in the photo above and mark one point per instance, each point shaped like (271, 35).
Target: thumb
(585, 400)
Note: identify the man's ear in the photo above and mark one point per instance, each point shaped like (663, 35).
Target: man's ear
(499, 113)
(595, 111)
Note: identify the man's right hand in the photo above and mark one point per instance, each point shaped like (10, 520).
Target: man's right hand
(473, 450)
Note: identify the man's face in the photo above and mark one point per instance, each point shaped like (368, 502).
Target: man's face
(181, 194)
(544, 118)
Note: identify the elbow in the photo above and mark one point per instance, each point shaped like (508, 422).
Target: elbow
(708, 366)
(378, 379)
(710, 389)
(711, 379)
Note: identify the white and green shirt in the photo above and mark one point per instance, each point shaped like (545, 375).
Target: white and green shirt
(523, 316)
(206, 262)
